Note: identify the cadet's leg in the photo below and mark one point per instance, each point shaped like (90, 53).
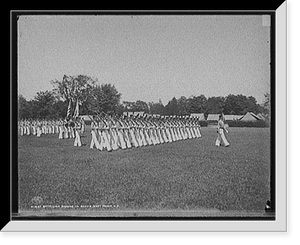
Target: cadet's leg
(226, 143)
(218, 141)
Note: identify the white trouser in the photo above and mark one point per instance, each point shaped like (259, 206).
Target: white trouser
(77, 141)
(221, 138)
(94, 141)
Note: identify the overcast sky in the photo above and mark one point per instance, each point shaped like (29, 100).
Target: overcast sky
(148, 57)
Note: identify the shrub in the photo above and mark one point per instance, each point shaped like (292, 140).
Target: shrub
(254, 124)
(203, 123)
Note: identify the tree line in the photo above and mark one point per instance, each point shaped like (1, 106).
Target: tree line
(95, 98)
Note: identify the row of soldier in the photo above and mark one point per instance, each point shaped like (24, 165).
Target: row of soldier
(112, 133)
(64, 128)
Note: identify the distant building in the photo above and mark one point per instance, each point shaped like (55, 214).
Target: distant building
(213, 117)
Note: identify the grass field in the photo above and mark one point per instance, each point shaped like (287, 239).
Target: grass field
(190, 175)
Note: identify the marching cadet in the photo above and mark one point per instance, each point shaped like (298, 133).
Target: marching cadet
(177, 126)
(198, 128)
(57, 125)
(113, 133)
(172, 129)
(162, 130)
(106, 136)
(221, 136)
(61, 129)
(182, 129)
(151, 132)
(82, 125)
(21, 127)
(168, 132)
(120, 135)
(28, 127)
(66, 130)
(157, 131)
(33, 126)
(131, 129)
(77, 128)
(71, 128)
(134, 130)
(141, 128)
(101, 132)
(126, 134)
(146, 131)
(38, 129)
(94, 132)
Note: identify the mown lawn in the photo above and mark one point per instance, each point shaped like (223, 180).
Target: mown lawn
(186, 175)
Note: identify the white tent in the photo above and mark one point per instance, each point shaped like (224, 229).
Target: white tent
(250, 117)
(232, 117)
(260, 116)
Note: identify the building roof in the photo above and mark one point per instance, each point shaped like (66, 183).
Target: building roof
(213, 117)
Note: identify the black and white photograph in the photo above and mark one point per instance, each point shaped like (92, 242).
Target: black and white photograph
(146, 116)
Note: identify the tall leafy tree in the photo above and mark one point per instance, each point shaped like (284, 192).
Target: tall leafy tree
(215, 105)
(104, 98)
(182, 105)
(197, 104)
(43, 104)
(240, 104)
(74, 87)
(172, 107)
(156, 108)
(24, 110)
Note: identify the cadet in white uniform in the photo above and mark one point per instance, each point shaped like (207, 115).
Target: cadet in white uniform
(77, 128)
(221, 136)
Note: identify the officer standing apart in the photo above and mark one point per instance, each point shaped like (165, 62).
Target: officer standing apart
(221, 136)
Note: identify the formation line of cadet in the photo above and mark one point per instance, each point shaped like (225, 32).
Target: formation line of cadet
(64, 128)
(112, 133)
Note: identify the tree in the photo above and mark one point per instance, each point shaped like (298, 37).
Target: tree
(156, 108)
(128, 106)
(74, 87)
(104, 98)
(215, 105)
(23, 108)
(240, 104)
(196, 104)
(141, 106)
(60, 109)
(172, 107)
(43, 105)
(182, 105)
